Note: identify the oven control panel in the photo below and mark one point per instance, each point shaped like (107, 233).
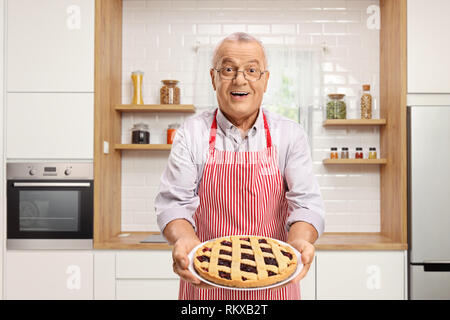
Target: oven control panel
(63, 170)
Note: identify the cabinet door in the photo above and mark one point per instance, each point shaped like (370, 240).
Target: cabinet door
(49, 275)
(360, 275)
(152, 289)
(104, 275)
(50, 126)
(428, 46)
(308, 284)
(152, 264)
(146, 275)
(50, 45)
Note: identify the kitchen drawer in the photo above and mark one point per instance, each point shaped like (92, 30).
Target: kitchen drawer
(147, 289)
(361, 275)
(48, 275)
(50, 126)
(50, 45)
(145, 265)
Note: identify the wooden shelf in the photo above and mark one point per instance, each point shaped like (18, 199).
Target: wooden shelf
(161, 147)
(181, 108)
(354, 161)
(354, 122)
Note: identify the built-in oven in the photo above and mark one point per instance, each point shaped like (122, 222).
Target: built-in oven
(50, 205)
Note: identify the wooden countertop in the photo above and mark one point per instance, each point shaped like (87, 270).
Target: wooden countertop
(328, 241)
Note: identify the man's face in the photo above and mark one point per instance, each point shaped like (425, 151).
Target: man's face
(240, 55)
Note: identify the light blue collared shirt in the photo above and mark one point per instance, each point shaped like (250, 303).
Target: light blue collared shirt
(178, 192)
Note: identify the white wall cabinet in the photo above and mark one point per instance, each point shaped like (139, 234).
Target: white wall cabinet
(361, 275)
(50, 45)
(49, 275)
(50, 126)
(428, 46)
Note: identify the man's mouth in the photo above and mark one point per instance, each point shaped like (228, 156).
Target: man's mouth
(239, 95)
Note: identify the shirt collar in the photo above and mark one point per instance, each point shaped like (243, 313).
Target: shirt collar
(226, 125)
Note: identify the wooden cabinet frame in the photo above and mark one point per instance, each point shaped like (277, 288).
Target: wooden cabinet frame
(108, 127)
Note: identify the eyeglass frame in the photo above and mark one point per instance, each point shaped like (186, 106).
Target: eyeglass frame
(243, 73)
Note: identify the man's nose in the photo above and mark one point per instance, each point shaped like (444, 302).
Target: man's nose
(240, 78)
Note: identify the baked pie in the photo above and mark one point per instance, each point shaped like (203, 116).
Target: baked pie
(245, 261)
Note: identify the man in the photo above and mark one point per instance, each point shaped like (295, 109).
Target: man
(239, 170)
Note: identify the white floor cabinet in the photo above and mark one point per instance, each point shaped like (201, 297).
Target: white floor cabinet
(361, 275)
(49, 275)
(130, 274)
(333, 275)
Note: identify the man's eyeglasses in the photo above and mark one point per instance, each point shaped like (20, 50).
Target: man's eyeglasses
(250, 73)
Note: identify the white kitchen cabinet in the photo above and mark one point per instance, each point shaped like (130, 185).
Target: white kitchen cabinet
(361, 275)
(146, 275)
(152, 264)
(50, 45)
(104, 275)
(308, 284)
(49, 275)
(151, 289)
(428, 46)
(50, 126)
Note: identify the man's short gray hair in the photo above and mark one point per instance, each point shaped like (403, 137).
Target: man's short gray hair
(240, 37)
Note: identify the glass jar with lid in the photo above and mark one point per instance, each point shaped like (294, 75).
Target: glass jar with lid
(336, 107)
(359, 153)
(334, 153)
(344, 153)
(170, 93)
(372, 153)
(140, 134)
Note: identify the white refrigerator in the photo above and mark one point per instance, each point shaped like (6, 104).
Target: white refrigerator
(429, 201)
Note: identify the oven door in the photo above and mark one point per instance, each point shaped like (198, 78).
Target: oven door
(50, 209)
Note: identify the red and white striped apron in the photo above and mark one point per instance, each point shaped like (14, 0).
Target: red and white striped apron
(241, 193)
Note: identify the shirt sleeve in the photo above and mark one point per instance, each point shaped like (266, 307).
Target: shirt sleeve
(177, 197)
(303, 194)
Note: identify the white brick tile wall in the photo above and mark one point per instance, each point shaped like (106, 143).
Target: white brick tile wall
(158, 38)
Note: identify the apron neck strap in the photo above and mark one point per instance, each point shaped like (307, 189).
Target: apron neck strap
(212, 135)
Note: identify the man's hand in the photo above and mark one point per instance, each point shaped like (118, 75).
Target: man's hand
(180, 252)
(306, 250)
(301, 236)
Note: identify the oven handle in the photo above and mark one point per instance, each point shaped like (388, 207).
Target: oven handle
(51, 184)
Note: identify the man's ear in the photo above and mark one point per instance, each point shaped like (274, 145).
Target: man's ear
(267, 80)
(213, 74)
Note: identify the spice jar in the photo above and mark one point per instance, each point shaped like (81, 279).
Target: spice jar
(336, 107)
(344, 153)
(359, 153)
(372, 153)
(136, 77)
(140, 134)
(170, 93)
(171, 130)
(334, 153)
(366, 103)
